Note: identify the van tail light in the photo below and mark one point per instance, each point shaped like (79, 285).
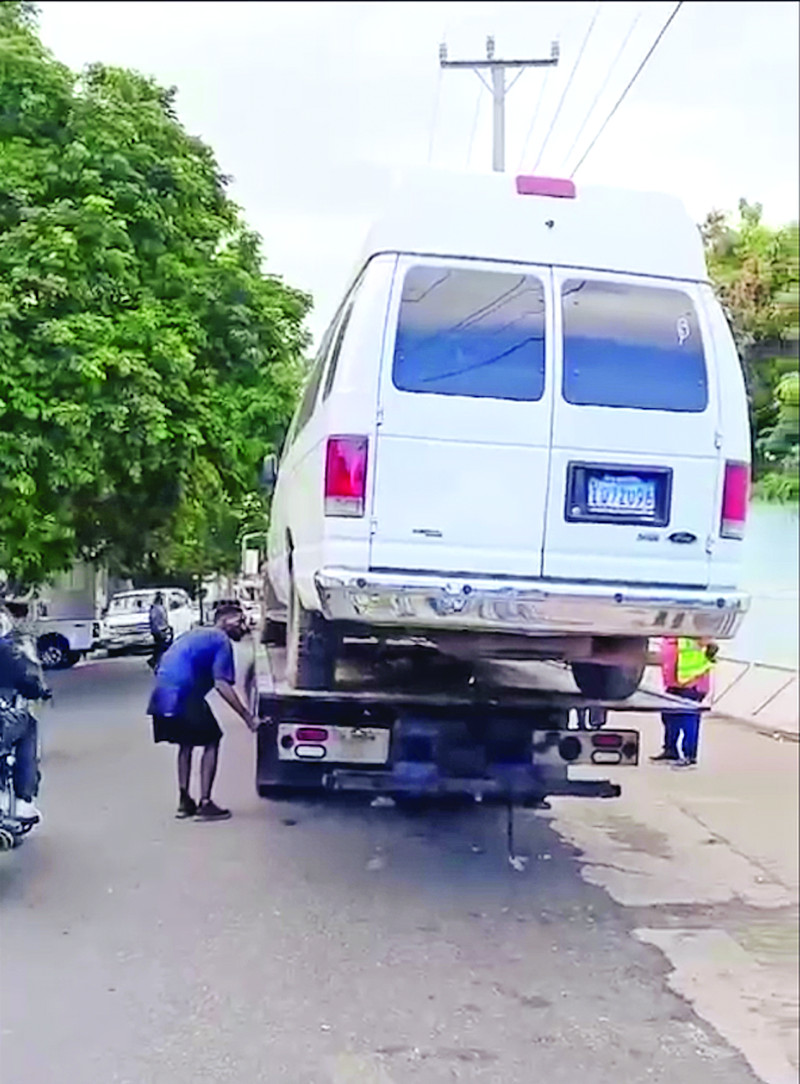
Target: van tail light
(735, 499)
(346, 476)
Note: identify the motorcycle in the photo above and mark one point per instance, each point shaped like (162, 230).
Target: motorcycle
(15, 712)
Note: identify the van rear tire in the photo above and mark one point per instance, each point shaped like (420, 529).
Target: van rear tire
(600, 682)
(311, 647)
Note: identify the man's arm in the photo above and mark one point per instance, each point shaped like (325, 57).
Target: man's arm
(231, 697)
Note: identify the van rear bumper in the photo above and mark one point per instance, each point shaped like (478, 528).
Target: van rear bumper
(534, 607)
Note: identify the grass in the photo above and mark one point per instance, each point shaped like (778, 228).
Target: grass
(778, 487)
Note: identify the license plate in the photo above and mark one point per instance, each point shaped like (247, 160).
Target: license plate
(622, 495)
(333, 744)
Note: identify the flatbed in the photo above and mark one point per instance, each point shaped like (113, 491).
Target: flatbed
(509, 731)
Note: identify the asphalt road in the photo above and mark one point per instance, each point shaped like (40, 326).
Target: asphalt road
(343, 944)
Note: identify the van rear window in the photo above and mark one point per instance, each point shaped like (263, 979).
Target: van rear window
(472, 333)
(632, 346)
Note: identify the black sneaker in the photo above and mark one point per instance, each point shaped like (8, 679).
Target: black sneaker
(665, 758)
(210, 811)
(187, 807)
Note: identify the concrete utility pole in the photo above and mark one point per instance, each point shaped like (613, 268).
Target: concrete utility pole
(498, 89)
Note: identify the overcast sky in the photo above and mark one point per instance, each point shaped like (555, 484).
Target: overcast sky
(310, 105)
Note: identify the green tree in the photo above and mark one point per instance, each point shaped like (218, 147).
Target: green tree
(755, 271)
(146, 362)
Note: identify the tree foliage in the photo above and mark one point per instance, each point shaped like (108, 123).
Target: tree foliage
(755, 270)
(146, 362)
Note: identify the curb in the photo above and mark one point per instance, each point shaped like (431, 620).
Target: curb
(776, 732)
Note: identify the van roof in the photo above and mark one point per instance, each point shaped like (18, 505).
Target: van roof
(482, 216)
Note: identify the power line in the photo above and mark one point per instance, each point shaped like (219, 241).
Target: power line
(601, 91)
(474, 127)
(622, 96)
(538, 106)
(569, 84)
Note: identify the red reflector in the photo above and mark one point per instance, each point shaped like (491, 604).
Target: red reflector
(606, 741)
(735, 499)
(311, 733)
(346, 476)
(559, 187)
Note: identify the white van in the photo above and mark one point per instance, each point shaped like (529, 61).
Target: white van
(126, 622)
(525, 435)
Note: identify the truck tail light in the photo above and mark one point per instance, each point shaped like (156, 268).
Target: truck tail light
(311, 733)
(735, 498)
(346, 476)
(607, 741)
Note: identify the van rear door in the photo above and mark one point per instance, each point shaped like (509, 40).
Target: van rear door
(635, 469)
(465, 409)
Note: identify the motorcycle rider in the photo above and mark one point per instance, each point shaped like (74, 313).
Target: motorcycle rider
(20, 676)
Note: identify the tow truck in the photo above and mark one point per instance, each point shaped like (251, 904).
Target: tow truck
(424, 728)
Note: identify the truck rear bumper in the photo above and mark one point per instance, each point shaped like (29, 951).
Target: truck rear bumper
(525, 787)
(412, 601)
(124, 641)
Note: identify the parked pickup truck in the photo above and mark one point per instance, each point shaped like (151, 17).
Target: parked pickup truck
(524, 436)
(126, 624)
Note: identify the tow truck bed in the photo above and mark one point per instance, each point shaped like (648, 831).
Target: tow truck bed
(511, 731)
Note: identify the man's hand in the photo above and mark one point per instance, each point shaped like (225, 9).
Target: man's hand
(231, 697)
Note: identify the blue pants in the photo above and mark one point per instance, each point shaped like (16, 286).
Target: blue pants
(26, 763)
(682, 728)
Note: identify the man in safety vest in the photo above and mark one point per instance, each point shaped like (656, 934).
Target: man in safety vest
(686, 667)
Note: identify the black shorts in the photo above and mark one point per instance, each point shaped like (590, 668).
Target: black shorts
(196, 725)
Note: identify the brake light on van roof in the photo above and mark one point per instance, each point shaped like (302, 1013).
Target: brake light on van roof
(560, 187)
(735, 499)
(346, 476)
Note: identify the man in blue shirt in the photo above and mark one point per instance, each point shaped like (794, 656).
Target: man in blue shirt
(199, 661)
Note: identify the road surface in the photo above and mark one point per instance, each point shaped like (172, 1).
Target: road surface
(652, 938)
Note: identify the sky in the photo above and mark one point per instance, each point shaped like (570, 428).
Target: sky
(310, 107)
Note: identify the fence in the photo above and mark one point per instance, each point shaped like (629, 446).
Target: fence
(764, 695)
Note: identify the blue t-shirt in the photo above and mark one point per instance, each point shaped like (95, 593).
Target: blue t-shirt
(188, 670)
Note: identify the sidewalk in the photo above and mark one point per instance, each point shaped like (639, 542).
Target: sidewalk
(707, 862)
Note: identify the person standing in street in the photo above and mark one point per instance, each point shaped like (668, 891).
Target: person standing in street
(159, 629)
(686, 666)
(199, 661)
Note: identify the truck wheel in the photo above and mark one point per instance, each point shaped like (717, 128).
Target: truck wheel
(311, 646)
(607, 682)
(54, 651)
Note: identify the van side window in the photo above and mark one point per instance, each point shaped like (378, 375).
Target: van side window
(465, 332)
(309, 397)
(337, 349)
(632, 346)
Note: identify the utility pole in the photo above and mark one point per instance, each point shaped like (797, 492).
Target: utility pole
(499, 89)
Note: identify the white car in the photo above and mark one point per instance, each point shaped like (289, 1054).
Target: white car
(525, 436)
(126, 624)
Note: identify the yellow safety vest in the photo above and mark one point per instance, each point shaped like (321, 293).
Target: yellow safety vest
(692, 661)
